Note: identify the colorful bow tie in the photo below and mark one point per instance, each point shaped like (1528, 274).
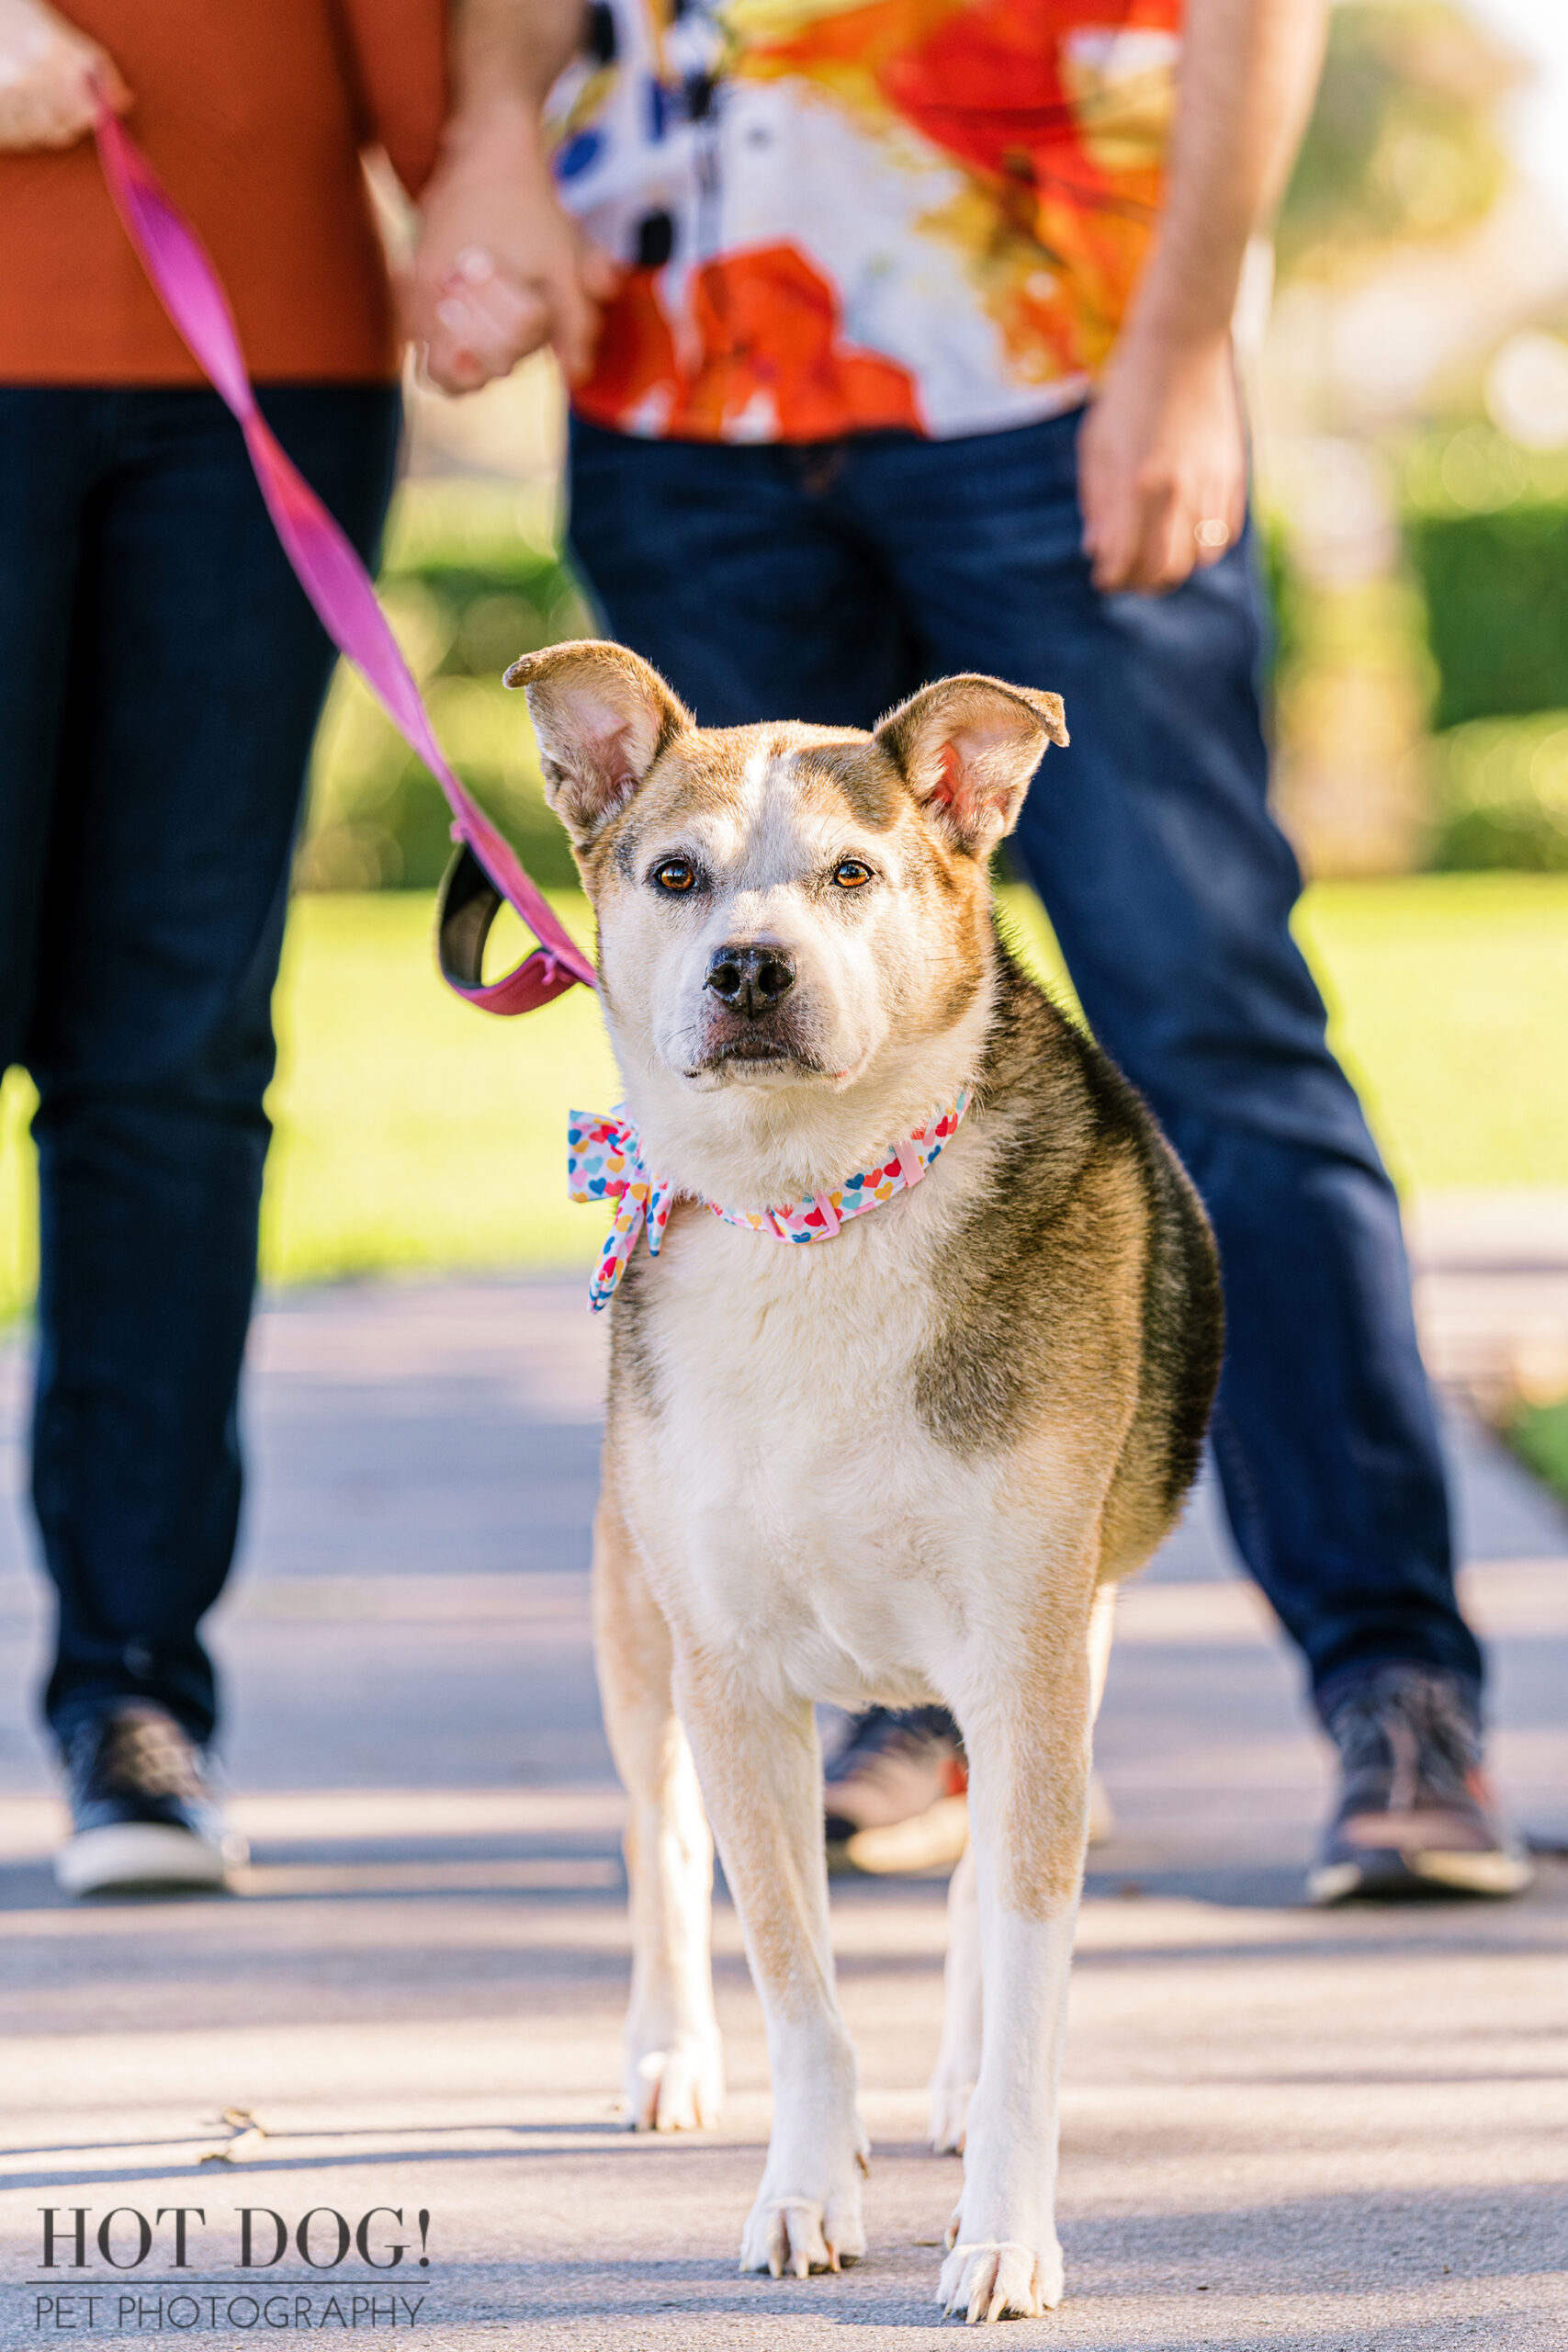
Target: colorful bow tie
(605, 1162)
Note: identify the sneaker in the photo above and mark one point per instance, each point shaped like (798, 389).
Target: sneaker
(1416, 1815)
(895, 1794)
(143, 1817)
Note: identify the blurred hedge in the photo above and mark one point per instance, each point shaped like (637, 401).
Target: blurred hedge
(1486, 527)
(1499, 791)
(472, 578)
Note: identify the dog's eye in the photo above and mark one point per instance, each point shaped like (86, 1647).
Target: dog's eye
(675, 875)
(852, 874)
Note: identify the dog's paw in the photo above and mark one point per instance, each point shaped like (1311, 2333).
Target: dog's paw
(796, 2235)
(678, 2090)
(1001, 2281)
(949, 2113)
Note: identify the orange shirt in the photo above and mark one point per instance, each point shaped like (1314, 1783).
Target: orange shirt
(253, 112)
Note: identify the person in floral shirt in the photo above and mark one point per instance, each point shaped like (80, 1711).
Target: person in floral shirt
(899, 337)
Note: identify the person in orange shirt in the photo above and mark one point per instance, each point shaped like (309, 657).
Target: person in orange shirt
(161, 674)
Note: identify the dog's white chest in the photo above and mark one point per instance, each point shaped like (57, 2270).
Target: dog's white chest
(784, 1479)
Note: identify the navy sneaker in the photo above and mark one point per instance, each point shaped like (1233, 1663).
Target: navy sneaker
(893, 1795)
(143, 1819)
(896, 1794)
(1416, 1814)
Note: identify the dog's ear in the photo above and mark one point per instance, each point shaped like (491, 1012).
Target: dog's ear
(968, 747)
(601, 716)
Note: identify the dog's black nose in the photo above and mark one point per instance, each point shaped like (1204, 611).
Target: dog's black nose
(751, 979)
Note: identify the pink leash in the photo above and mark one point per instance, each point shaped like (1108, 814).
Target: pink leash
(486, 869)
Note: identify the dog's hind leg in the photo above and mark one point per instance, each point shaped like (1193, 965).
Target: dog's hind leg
(673, 2063)
(958, 2059)
(1026, 1726)
(762, 1773)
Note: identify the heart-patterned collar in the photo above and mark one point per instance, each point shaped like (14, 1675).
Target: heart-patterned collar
(605, 1162)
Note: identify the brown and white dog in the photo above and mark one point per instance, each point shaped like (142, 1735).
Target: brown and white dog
(906, 1466)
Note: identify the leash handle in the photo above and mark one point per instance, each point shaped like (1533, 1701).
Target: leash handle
(486, 869)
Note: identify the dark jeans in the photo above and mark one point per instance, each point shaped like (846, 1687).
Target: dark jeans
(161, 675)
(827, 582)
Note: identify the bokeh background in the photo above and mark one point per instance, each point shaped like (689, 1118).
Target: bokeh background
(1407, 352)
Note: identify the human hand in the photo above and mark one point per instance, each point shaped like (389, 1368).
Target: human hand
(1162, 464)
(501, 268)
(52, 78)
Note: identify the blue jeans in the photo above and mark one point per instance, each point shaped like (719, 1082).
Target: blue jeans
(161, 675)
(827, 582)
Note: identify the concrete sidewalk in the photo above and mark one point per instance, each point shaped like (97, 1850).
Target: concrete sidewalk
(1348, 2131)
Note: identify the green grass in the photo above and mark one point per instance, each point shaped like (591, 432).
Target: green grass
(1447, 994)
(19, 1197)
(1539, 1435)
(413, 1132)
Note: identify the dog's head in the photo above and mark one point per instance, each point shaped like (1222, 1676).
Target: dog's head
(780, 906)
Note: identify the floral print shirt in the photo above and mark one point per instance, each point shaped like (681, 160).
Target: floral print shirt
(841, 215)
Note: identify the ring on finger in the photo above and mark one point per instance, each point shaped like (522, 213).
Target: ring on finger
(1211, 532)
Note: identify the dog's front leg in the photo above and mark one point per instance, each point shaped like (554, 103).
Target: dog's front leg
(958, 2060)
(1028, 1766)
(672, 2063)
(761, 1768)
